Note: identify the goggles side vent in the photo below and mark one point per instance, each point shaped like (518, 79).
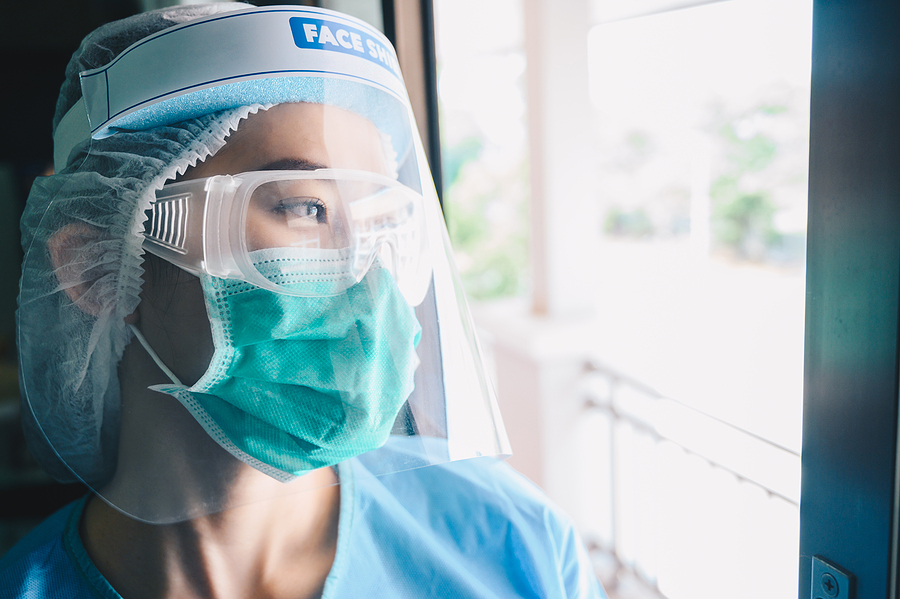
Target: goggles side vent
(167, 223)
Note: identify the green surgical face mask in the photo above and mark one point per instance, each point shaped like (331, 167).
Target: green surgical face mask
(299, 383)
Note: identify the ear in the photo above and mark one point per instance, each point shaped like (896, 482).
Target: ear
(67, 249)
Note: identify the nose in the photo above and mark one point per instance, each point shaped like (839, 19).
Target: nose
(382, 249)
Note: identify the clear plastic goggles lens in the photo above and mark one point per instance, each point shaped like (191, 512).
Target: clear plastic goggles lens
(314, 213)
(362, 220)
(296, 214)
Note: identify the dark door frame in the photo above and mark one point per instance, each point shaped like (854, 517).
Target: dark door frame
(848, 511)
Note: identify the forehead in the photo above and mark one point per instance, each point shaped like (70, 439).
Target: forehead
(315, 134)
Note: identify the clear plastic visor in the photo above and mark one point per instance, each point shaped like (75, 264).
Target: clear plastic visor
(335, 143)
(308, 182)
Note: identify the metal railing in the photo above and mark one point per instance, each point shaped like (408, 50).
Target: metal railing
(662, 438)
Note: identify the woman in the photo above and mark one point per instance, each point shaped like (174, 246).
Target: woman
(240, 326)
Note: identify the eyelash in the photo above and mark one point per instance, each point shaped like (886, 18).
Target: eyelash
(291, 205)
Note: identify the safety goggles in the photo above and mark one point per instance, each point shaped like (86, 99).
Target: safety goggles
(325, 228)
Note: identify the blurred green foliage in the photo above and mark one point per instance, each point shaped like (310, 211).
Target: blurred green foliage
(455, 157)
(743, 213)
(628, 223)
(487, 218)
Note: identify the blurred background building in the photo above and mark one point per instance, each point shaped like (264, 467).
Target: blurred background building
(625, 184)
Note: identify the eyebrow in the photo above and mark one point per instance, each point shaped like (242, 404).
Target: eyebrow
(291, 164)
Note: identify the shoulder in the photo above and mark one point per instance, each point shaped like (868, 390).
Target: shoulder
(487, 486)
(39, 566)
(486, 516)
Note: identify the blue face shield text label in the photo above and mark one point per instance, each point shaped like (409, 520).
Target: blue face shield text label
(318, 34)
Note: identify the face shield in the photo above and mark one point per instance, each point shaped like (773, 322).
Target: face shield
(338, 322)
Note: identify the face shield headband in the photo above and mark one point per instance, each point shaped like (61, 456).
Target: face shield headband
(271, 56)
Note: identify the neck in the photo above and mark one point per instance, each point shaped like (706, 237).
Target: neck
(264, 538)
(282, 547)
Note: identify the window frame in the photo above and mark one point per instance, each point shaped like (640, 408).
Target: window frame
(849, 488)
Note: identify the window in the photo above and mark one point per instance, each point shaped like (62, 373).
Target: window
(656, 331)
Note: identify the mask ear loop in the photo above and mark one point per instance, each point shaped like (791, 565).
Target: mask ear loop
(163, 367)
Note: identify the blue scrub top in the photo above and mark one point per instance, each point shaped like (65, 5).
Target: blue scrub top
(473, 528)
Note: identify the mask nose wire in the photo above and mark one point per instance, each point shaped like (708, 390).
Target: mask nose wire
(143, 341)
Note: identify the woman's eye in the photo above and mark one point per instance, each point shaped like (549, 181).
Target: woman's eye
(305, 208)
